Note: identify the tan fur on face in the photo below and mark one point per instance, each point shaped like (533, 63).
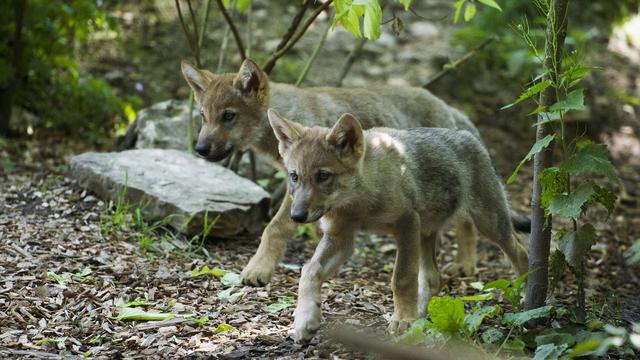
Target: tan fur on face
(229, 92)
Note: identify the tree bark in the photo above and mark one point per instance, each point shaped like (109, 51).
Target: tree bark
(538, 280)
(7, 93)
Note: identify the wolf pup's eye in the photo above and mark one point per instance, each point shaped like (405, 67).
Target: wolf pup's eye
(228, 116)
(293, 176)
(323, 176)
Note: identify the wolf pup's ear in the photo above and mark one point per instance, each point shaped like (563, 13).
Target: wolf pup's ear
(198, 80)
(347, 137)
(252, 81)
(286, 131)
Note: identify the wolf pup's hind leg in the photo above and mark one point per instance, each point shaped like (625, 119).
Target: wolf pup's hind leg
(429, 277)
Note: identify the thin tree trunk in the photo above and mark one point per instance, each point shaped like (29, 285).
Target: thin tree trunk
(7, 93)
(538, 280)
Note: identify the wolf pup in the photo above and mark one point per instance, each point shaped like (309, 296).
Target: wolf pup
(406, 183)
(234, 116)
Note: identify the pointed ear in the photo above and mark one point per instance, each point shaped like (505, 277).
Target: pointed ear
(347, 137)
(286, 131)
(198, 80)
(252, 81)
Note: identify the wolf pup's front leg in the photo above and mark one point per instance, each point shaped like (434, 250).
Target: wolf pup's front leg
(331, 253)
(405, 273)
(260, 268)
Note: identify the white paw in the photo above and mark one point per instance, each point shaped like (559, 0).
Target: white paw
(307, 321)
(258, 272)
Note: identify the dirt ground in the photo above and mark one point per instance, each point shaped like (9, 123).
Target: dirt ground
(48, 224)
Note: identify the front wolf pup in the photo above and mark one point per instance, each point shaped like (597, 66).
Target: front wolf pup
(407, 183)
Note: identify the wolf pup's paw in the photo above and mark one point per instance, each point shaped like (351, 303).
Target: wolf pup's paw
(397, 326)
(257, 273)
(307, 322)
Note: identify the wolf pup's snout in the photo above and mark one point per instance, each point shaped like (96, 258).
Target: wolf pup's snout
(203, 149)
(299, 215)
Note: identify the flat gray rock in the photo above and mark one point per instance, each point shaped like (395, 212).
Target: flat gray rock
(176, 184)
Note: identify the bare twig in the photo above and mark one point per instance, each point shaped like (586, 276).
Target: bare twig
(225, 42)
(268, 67)
(232, 27)
(314, 55)
(351, 58)
(207, 10)
(191, 42)
(294, 24)
(454, 65)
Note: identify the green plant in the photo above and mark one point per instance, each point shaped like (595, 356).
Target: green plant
(115, 214)
(555, 187)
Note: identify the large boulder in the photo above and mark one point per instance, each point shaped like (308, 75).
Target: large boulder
(174, 184)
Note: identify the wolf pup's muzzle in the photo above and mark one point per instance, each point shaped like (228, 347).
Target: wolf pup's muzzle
(214, 154)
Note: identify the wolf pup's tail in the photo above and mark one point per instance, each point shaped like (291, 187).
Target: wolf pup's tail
(520, 222)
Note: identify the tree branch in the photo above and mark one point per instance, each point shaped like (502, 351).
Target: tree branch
(191, 42)
(294, 24)
(268, 67)
(454, 65)
(233, 28)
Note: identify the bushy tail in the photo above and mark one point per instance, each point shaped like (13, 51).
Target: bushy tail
(520, 222)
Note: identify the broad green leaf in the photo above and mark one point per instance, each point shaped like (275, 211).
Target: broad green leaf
(514, 345)
(604, 197)
(50, 341)
(497, 284)
(585, 347)
(405, 3)
(492, 336)
(205, 270)
(473, 320)
(536, 148)
(553, 182)
(231, 279)
(415, 334)
(230, 295)
(347, 16)
(137, 314)
(458, 6)
(557, 266)
(571, 205)
(549, 351)
(372, 17)
(447, 314)
(545, 117)
(576, 245)
(491, 3)
(531, 91)
(285, 302)
(555, 338)
(573, 101)
(519, 319)
(470, 12)
(222, 327)
(591, 157)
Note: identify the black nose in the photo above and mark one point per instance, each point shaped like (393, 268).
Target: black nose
(299, 215)
(203, 149)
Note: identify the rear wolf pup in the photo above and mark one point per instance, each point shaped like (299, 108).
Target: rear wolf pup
(406, 183)
(234, 109)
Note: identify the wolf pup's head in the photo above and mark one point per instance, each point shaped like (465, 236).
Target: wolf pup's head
(231, 106)
(322, 164)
